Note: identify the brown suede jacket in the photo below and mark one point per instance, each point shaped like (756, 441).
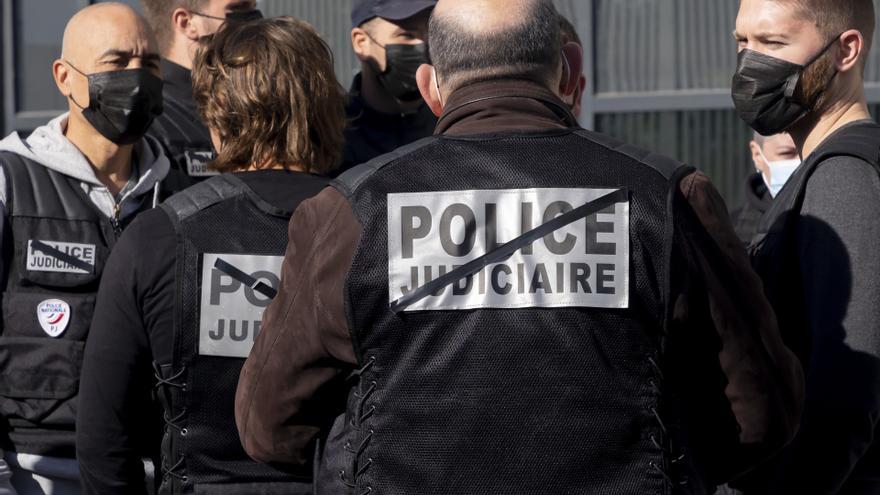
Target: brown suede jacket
(736, 382)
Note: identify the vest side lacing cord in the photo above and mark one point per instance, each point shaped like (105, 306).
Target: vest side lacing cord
(658, 444)
(362, 414)
(162, 383)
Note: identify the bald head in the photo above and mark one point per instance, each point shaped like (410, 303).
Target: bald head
(106, 26)
(474, 40)
(104, 37)
(483, 17)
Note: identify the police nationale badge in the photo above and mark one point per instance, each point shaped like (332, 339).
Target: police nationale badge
(53, 315)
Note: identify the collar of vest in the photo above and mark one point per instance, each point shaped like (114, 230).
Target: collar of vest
(503, 105)
(212, 191)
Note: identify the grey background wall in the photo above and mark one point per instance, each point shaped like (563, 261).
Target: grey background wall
(659, 71)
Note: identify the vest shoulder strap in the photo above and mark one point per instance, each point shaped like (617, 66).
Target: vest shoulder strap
(860, 141)
(665, 166)
(200, 196)
(350, 180)
(36, 191)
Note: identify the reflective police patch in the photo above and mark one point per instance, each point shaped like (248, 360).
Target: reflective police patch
(197, 163)
(53, 315)
(60, 257)
(233, 299)
(583, 264)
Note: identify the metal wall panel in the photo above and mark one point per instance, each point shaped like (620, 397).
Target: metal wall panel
(715, 141)
(654, 45)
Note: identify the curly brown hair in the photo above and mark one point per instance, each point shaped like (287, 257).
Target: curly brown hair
(268, 90)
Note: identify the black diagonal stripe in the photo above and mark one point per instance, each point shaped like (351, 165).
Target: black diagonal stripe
(507, 250)
(61, 255)
(246, 279)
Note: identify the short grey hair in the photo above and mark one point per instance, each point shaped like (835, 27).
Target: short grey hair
(530, 49)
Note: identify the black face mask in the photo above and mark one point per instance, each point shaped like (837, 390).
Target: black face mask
(123, 103)
(401, 64)
(236, 16)
(767, 91)
(244, 15)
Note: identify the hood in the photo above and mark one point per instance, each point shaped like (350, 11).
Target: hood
(48, 146)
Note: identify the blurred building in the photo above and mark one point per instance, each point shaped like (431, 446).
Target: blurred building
(659, 71)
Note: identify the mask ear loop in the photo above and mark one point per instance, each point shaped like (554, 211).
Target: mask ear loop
(71, 93)
(816, 58)
(437, 86)
(566, 74)
(764, 176)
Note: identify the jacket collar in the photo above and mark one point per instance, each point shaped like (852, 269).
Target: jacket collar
(502, 106)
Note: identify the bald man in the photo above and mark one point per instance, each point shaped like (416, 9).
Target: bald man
(66, 193)
(520, 305)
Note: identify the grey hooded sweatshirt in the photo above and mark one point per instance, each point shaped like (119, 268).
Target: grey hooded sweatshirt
(49, 147)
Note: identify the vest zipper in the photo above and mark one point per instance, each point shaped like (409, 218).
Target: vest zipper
(117, 209)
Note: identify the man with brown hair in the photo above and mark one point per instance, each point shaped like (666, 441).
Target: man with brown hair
(179, 24)
(180, 316)
(801, 70)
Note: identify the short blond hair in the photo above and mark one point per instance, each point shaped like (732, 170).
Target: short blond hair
(268, 89)
(158, 14)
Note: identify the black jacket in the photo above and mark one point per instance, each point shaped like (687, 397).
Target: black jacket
(746, 218)
(371, 133)
(133, 327)
(184, 137)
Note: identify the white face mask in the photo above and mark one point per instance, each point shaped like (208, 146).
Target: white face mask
(780, 172)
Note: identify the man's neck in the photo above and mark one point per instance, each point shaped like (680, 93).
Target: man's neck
(811, 135)
(377, 98)
(180, 54)
(111, 162)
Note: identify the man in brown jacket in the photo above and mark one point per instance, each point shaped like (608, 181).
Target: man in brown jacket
(521, 306)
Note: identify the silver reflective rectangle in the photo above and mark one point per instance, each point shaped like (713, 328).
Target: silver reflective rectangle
(585, 264)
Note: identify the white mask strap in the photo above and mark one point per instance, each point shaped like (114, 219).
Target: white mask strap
(437, 86)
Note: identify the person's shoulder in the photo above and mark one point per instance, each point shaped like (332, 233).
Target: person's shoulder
(351, 179)
(668, 167)
(145, 250)
(148, 226)
(843, 180)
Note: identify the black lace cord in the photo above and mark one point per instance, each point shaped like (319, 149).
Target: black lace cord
(172, 422)
(168, 382)
(663, 429)
(170, 472)
(356, 422)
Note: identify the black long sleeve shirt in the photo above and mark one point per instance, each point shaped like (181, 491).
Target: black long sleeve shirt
(118, 424)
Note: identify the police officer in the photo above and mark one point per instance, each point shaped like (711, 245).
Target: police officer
(801, 70)
(182, 315)
(522, 306)
(775, 159)
(67, 192)
(385, 109)
(179, 24)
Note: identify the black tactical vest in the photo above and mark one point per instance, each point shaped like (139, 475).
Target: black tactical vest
(534, 375)
(773, 249)
(57, 243)
(230, 246)
(183, 136)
